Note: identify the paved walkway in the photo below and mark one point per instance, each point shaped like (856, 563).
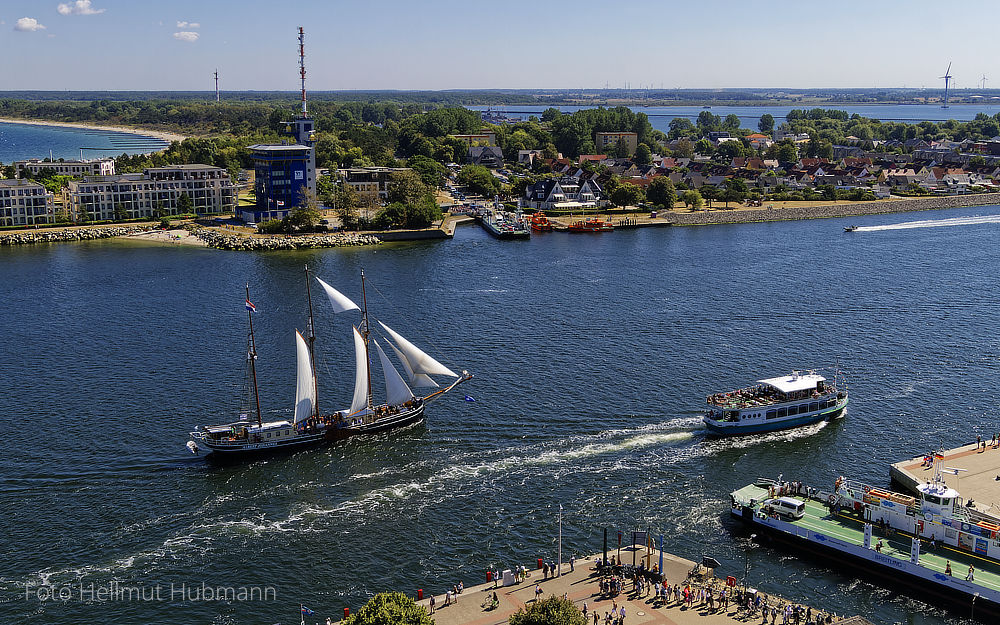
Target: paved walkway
(977, 476)
(581, 585)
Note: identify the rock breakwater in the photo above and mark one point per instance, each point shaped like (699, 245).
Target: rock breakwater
(227, 241)
(31, 237)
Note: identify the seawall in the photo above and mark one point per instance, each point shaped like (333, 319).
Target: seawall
(30, 237)
(830, 210)
(224, 241)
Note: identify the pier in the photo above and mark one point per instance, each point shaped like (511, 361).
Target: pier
(581, 584)
(972, 470)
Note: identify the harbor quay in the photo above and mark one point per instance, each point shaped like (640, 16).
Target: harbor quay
(973, 470)
(581, 583)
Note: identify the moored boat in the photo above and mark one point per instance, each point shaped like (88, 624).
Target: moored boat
(931, 545)
(591, 224)
(540, 222)
(308, 426)
(776, 404)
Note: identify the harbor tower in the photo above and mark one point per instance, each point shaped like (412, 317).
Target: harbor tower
(283, 171)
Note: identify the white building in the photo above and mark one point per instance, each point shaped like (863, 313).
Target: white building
(24, 203)
(156, 189)
(90, 167)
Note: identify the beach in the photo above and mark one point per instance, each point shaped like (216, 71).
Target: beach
(157, 134)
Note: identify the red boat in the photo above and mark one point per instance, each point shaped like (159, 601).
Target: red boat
(591, 224)
(540, 223)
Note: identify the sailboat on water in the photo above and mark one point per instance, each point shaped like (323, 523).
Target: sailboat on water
(309, 427)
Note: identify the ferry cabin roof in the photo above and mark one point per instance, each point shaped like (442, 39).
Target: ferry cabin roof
(791, 383)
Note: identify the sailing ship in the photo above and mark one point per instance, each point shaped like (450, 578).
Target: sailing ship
(308, 426)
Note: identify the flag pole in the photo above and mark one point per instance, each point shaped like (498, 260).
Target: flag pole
(559, 569)
(302, 615)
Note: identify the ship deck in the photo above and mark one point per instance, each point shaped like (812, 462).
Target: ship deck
(973, 473)
(849, 528)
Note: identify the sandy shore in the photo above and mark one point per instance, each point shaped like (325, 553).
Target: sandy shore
(170, 237)
(158, 134)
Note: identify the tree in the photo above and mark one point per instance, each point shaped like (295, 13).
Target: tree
(306, 215)
(120, 213)
(390, 608)
(786, 151)
(661, 192)
(710, 193)
(643, 155)
(626, 194)
(480, 180)
(684, 148)
(621, 149)
(735, 191)
(346, 204)
(730, 149)
(732, 122)
(405, 187)
(430, 171)
(184, 204)
(828, 192)
(551, 611)
(692, 199)
(766, 123)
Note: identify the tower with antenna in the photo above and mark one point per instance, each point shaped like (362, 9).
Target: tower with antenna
(217, 84)
(947, 79)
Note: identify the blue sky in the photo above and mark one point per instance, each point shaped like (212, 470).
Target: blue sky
(431, 44)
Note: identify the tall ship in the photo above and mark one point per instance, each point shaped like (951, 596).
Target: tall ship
(931, 544)
(309, 426)
(776, 404)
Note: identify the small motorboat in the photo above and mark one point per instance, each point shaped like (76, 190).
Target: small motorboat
(850, 228)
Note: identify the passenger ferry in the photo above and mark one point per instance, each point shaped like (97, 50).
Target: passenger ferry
(932, 544)
(776, 404)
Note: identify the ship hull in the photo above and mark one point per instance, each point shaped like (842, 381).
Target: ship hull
(312, 440)
(717, 428)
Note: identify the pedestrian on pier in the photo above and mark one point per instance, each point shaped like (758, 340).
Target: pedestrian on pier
(432, 604)
(971, 576)
(947, 567)
(538, 592)
(572, 560)
(545, 570)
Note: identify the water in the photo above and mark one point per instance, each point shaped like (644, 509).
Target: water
(592, 356)
(660, 116)
(24, 141)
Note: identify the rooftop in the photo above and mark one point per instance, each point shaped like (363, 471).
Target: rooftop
(794, 382)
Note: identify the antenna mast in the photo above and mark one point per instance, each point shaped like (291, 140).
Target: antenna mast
(217, 84)
(302, 69)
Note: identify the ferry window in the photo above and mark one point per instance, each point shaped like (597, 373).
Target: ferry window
(814, 406)
(793, 410)
(771, 414)
(269, 435)
(830, 403)
(782, 413)
(932, 499)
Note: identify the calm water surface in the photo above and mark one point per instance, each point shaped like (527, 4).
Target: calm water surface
(24, 141)
(592, 357)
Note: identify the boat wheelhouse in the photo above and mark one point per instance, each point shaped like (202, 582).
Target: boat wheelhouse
(775, 404)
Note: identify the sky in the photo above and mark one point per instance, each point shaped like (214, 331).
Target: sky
(176, 45)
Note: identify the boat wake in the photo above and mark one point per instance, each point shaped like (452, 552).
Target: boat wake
(934, 223)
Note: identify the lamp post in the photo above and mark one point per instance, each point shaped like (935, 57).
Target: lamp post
(559, 563)
(746, 563)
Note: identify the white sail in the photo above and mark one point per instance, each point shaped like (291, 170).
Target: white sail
(360, 401)
(419, 361)
(305, 389)
(339, 301)
(396, 390)
(416, 379)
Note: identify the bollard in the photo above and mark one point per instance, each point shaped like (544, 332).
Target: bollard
(347, 612)
(420, 594)
(489, 576)
(539, 563)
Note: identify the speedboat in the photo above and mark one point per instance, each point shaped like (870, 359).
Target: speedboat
(850, 228)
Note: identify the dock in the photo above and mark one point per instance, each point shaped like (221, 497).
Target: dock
(970, 469)
(580, 584)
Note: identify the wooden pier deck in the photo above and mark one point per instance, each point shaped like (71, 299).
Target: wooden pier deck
(971, 470)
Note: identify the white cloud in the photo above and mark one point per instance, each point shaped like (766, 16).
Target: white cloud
(28, 25)
(79, 7)
(186, 35)
(188, 25)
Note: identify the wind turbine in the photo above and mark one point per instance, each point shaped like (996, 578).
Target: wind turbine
(984, 79)
(947, 77)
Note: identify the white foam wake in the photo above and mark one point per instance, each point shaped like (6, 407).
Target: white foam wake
(934, 223)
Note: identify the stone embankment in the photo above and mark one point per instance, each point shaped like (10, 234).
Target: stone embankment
(227, 241)
(831, 210)
(29, 237)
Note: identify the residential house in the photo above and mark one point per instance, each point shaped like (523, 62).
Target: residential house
(604, 140)
(486, 137)
(24, 203)
(563, 194)
(487, 155)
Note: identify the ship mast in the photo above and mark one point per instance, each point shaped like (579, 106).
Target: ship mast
(252, 357)
(364, 335)
(312, 341)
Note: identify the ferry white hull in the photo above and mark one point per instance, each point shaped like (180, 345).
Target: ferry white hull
(759, 425)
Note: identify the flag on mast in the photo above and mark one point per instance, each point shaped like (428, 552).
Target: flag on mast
(251, 307)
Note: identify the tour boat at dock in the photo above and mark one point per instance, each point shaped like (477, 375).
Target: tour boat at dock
(776, 404)
(931, 544)
(308, 426)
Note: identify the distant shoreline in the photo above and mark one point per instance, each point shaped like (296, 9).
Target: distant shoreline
(156, 134)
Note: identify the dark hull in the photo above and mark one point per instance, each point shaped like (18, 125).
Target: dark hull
(981, 609)
(316, 439)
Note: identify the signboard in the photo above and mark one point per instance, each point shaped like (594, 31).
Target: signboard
(982, 546)
(299, 175)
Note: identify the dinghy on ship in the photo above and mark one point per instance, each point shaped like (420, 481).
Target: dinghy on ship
(309, 426)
